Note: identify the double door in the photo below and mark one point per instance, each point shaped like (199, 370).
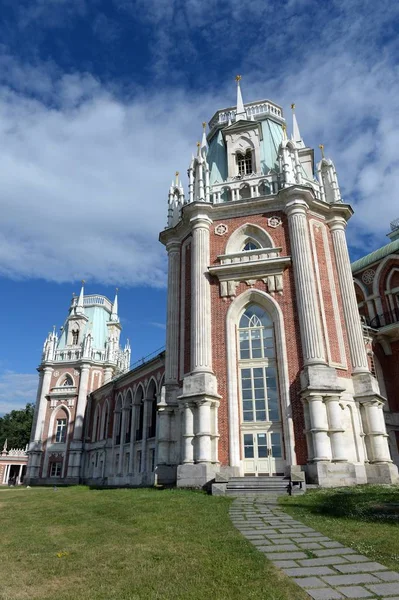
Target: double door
(263, 452)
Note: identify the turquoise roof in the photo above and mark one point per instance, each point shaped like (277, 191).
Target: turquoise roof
(98, 317)
(375, 256)
(272, 135)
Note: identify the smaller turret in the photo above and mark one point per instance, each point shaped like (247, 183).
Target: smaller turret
(327, 176)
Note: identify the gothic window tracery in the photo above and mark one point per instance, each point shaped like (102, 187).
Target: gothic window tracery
(250, 245)
(75, 337)
(61, 430)
(258, 368)
(68, 381)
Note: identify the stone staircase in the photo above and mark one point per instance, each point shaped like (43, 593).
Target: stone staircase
(255, 486)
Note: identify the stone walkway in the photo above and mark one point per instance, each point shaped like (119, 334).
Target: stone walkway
(323, 567)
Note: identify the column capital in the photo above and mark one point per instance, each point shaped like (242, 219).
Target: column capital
(296, 206)
(173, 245)
(337, 223)
(201, 220)
(332, 398)
(47, 369)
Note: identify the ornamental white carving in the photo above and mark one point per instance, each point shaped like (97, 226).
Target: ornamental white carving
(221, 229)
(56, 373)
(368, 276)
(76, 373)
(274, 222)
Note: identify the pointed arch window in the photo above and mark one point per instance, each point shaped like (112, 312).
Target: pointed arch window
(75, 337)
(68, 381)
(258, 368)
(244, 162)
(250, 245)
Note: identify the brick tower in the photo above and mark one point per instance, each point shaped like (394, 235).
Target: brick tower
(266, 364)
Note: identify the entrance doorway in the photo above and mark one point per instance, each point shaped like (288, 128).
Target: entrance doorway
(263, 453)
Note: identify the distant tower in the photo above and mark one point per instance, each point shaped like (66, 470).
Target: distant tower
(85, 356)
(266, 366)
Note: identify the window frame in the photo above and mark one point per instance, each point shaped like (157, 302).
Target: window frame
(61, 431)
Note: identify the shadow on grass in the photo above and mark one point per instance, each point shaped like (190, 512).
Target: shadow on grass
(363, 503)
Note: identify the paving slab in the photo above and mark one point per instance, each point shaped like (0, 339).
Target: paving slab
(363, 567)
(354, 578)
(332, 544)
(309, 572)
(324, 594)
(319, 562)
(310, 582)
(384, 589)
(281, 548)
(355, 591)
(285, 564)
(309, 545)
(285, 555)
(332, 551)
(388, 576)
(357, 558)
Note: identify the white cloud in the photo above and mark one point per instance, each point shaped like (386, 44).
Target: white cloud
(16, 390)
(85, 171)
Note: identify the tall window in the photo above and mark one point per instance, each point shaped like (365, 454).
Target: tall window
(244, 162)
(75, 337)
(60, 434)
(258, 369)
(55, 469)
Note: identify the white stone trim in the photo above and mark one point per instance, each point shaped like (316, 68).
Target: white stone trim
(237, 306)
(185, 244)
(248, 230)
(378, 271)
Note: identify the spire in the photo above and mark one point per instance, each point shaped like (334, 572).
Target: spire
(241, 112)
(321, 146)
(79, 306)
(204, 143)
(296, 135)
(114, 312)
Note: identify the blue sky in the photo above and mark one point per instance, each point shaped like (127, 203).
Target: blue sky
(100, 103)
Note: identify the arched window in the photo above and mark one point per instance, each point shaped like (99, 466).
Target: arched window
(258, 369)
(118, 422)
(75, 337)
(61, 427)
(244, 162)
(128, 424)
(152, 417)
(250, 245)
(68, 382)
(139, 415)
(105, 422)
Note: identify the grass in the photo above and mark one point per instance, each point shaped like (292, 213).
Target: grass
(365, 518)
(128, 545)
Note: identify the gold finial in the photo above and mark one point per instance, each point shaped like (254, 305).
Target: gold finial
(116, 289)
(204, 124)
(284, 128)
(198, 144)
(238, 78)
(177, 178)
(83, 282)
(293, 106)
(321, 146)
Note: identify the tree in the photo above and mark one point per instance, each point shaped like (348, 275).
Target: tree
(15, 427)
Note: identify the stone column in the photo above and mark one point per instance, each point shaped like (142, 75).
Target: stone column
(201, 343)
(132, 436)
(204, 431)
(163, 434)
(172, 328)
(21, 467)
(308, 309)
(42, 404)
(319, 428)
(351, 312)
(188, 433)
(376, 435)
(122, 435)
(145, 435)
(108, 372)
(336, 431)
(308, 429)
(81, 403)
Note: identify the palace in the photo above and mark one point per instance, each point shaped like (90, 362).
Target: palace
(269, 369)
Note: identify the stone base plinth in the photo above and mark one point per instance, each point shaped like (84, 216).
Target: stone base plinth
(328, 474)
(165, 475)
(382, 473)
(196, 475)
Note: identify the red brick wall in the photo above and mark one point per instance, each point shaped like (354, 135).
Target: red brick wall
(390, 369)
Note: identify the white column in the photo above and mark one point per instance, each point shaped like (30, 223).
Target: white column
(376, 436)
(145, 435)
(122, 444)
(336, 431)
(21, 467)
(351, 312)
(319, 428)
(6, 473)
(81, 404)
(172, 328)
(308, 309)
(201, 343)
(108, 371)
(135, 408)
(203, 434)
(188, 433)
(163, 435)
(308, 430)
(41, 414)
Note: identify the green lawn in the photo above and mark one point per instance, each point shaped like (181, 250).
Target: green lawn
(363, 517)
(76, 543)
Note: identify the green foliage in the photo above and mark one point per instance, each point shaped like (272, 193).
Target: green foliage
(15, 427)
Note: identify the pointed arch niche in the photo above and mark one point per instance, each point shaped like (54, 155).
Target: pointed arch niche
(234, 314)
(261, 263)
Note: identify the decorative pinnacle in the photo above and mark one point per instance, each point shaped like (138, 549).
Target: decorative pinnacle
(177, 178)
(284, 128)
(321, 146)
(238, 78)
(204, 124)
(198, 144)
(293, 106)
(83, 282)
(116, 289)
